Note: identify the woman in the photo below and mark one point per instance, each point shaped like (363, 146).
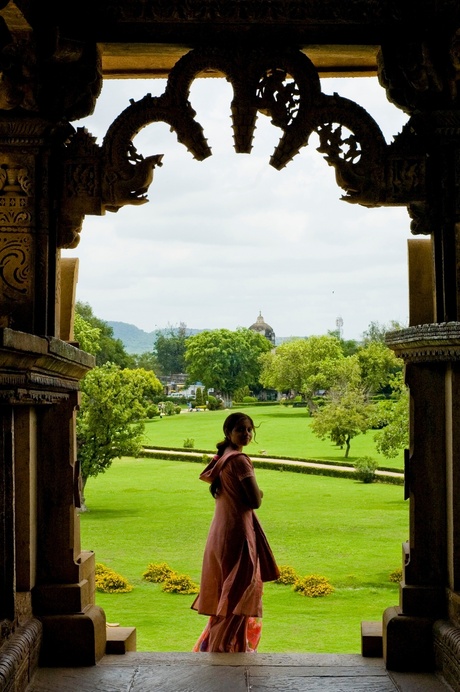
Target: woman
(237, 558)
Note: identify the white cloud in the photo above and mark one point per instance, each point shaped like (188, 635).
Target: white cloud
(224, 238)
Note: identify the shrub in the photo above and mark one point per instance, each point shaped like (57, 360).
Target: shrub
(157, 572)
(313, 585)
(152, 411)
(179, 583)
(288, 575)
(365, 469)
(214, 404)
(249, 399)
(169, 408)
(396, 575)
(240, 393)
(108, 581)
(206, 459)
(189, 443)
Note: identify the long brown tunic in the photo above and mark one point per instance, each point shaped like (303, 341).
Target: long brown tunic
(231, 580)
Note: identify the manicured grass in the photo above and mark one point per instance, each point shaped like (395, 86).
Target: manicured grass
(280, 431)
(147, 510)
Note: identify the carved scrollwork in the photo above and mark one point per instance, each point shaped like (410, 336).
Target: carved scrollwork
(15, 264)
(126, 173)
(281, 84)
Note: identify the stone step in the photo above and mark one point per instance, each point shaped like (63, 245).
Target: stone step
(120, 640)
(371, 639)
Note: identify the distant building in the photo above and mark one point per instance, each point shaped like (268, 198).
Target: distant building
(263, 328)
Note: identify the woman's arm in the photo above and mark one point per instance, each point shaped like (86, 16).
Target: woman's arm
(252, 491)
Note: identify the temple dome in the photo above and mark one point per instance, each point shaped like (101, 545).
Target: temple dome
(263, 328)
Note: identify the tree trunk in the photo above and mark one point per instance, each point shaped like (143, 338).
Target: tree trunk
(347, 442)
(83, 507)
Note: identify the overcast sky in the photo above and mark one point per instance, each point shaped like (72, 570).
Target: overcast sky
(224, 239)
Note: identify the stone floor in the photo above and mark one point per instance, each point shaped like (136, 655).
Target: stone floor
(191, 672)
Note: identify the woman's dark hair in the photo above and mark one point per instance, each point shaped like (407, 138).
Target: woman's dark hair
(230, 424)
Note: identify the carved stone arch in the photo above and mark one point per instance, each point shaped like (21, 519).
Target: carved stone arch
(282, 84)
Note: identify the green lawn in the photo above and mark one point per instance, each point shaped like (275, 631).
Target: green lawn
(147, 510)
(280, 431)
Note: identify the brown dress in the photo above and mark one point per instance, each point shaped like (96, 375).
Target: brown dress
(237, 557)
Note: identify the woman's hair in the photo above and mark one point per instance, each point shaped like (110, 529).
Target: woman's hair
(230, 423)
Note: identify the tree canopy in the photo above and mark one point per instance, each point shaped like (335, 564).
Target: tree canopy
(110, 350)
(225, 360)
(110, 422)
(378, 365)
(394, 415)
(169, 349)
(344, 416)
(302, 365)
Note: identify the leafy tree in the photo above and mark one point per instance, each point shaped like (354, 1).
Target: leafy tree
(378, 365)
(349, 346)
(169, 349)
(224, 359)
(344, 416)
(303, 365)
(377, 332)
(111, 350)
(146, 360)
(110, 422)
(87, 336)
(199, 397)
(394, 435)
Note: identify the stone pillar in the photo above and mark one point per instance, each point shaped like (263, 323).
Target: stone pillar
(432, 356)
(7, 542)
(63, 598)
(46, 582)
(46, 575)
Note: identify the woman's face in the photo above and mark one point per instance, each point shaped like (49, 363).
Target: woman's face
(241, 434)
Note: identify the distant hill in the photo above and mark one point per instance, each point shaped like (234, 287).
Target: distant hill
(134, 340)
(137, 341)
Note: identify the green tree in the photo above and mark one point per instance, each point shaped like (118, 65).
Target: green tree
(87, 336)
(225, 360)
(349, 346)
(146, 360)
(169, 349)
(199, 397)
(110, 350)
(345, 415)
(377, 332)
(303, 365)
(394, 414)
(111, 419)
(378, 366)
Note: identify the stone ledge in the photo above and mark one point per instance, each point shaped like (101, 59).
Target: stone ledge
(120, 640)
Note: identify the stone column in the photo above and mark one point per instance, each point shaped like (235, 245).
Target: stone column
(45, 574)
(46, 579)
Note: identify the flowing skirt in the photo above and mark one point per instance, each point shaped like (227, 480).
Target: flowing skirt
(233, 634)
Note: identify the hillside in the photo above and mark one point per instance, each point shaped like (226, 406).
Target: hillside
(137, 341)
(134, 340)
